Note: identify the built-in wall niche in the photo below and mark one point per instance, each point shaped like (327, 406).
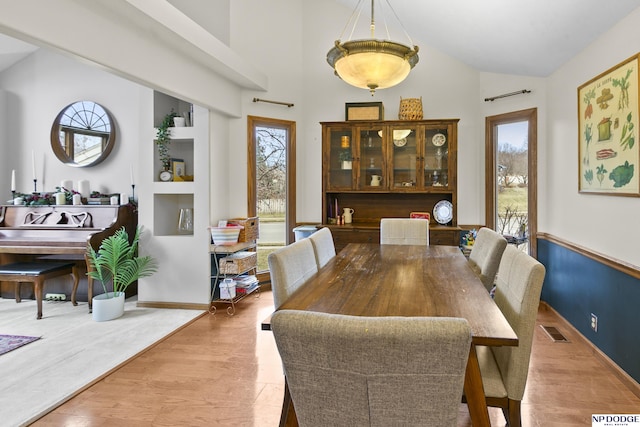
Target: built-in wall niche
(181, 150)
(161, 203)
(164, 104)
(167, 209)
(181, 146)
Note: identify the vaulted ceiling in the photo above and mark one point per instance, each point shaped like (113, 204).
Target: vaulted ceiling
(522, 37)
(12, 51)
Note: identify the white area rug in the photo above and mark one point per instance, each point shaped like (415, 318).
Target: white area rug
(73, 353)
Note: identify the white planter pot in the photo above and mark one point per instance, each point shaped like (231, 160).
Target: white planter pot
(107, 306)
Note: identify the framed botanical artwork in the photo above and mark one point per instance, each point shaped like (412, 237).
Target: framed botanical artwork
(608, 146)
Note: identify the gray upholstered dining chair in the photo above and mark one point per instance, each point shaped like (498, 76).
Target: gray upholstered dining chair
(485, 255)
(404, 231)
(372, 371)
(505, 369)
(323, 246)
(290, 267)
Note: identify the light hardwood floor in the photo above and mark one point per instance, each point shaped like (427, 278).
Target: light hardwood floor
(225, 371)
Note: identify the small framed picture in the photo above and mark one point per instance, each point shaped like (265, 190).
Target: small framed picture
(177, 167)
(423, 215)
(364, 111)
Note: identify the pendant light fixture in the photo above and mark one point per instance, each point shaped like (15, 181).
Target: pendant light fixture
(371, 63)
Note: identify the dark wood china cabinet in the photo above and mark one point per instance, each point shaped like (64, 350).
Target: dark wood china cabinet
(389, 169)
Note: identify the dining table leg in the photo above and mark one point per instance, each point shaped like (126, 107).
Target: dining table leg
(288, 414)
(474, 391)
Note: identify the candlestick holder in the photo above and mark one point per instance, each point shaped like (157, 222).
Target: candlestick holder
(35, 185)
(133, 193)
(13, 195)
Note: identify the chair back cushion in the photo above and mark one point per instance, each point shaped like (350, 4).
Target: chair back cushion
(518, 287)
(404, 231)
(485, 255)
(372, 371)
(323, 247)
(290, 267)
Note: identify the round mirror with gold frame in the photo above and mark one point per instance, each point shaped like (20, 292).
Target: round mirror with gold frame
(83, 134)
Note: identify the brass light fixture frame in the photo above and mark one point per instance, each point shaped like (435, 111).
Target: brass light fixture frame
(385, 51)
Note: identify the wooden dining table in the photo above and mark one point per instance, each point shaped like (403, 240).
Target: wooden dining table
(366, 279)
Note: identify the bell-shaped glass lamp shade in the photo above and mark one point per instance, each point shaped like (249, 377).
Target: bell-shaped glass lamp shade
(372, 64)
(398, 134)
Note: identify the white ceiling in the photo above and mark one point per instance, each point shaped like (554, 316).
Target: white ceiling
(522, 37)
(12, 51)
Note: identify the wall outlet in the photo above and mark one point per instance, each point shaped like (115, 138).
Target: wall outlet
(55, 297)
(594, 322)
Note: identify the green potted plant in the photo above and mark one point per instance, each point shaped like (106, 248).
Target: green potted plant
(117, 262)
(163, 139)
(345, 158)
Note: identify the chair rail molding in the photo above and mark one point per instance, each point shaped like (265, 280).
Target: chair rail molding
(622, 266)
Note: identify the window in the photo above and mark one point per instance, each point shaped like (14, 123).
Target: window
(511, 141)
(271, 180)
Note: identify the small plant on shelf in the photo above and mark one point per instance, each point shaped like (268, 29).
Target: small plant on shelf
(39, 199)
(163, 139)
(345, 158)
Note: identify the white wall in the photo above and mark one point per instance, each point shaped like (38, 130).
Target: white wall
(212, 15)
(151, 43)
(223, 182)
(37, 89)
(5, 161)
(449, 89)
(298, 73)
(606, 224)
(497, 84)
(292, 54)
(274, 47)
(288, 41)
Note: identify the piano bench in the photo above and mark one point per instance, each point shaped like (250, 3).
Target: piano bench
(79, 265)
(36, 273)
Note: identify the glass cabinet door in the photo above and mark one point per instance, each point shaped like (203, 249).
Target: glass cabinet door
(436, 158)
(341, 159)
(404, 148)
(371, 159)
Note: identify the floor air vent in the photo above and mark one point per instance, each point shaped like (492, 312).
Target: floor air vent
(553, 333)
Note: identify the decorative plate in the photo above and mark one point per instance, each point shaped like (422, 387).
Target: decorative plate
(400, 142)
(443, 212)
(438, 139)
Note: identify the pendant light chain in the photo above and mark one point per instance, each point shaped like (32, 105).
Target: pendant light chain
(400, 22)
(354, 18)
(372, 26)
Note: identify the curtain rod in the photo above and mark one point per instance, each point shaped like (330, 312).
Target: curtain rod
(518, 92)
(288, 104)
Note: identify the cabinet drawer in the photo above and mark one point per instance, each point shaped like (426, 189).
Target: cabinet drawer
(342, 237)
(354, 235)
(444, 237)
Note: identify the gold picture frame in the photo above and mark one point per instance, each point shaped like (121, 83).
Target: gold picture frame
(177, 167)
(364, 111)
(608, 122)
